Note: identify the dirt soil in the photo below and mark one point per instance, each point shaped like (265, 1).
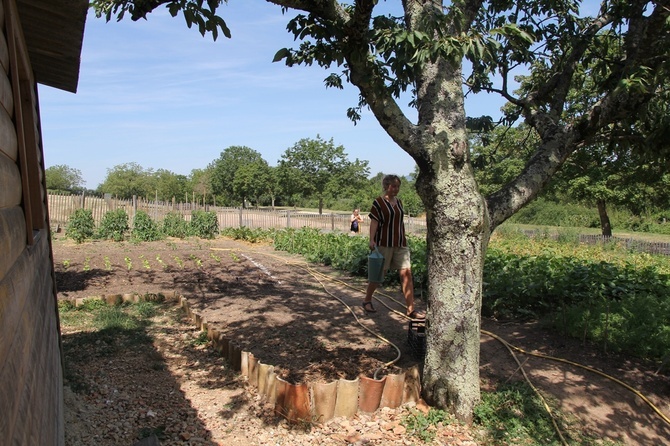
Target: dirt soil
(307, 321)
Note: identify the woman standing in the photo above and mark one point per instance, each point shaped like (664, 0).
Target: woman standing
(356, 220)
(387, 233)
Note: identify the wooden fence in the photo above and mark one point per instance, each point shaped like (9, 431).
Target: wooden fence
(628, 243)
(61, 207)
(659, 248)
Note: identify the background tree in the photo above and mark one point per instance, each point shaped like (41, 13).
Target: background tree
(252, 180)
(623, 163)
(224, 170)
(314, 167)
(128, 179)
(500, 154)
(169, 185)
(341, 191)
(200, 184)
(420, 48)
(273, 184)
(64, 178)
(410, 198)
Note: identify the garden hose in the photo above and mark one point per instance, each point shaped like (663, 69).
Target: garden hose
(584, 367)
(537, 392)
(377, 335)
(510, 347)
(317, 275)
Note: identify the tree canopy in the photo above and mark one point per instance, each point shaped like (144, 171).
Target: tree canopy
(64, 178)
(125, 180)
(421, 48)
(232, 174)
(312, 167)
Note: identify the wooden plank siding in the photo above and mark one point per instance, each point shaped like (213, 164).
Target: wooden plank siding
(31, 377)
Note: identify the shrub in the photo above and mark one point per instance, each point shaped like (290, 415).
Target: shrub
(247, 234)
(144, 228)
(174, 225)
(81, 225)
(114, 225)
(548, 213)
(204, 224)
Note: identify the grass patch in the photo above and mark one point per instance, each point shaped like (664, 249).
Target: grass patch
(515, 414)
(424, 425)
(98, 331)
(201, 339)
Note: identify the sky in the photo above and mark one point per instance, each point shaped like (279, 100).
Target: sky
(158, 94)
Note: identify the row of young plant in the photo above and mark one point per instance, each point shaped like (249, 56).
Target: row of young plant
(604, 294)
(601, 293)
(115, 225)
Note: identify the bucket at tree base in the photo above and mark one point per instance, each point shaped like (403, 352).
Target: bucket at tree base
(376, 266)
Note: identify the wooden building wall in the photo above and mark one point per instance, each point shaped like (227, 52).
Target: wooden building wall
(31, 402)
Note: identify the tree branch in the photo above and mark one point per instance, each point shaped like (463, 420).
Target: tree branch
(560, 140)
(365, 74)
(326, 9)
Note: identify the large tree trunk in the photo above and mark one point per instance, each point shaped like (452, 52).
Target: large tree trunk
(605, 224)
(458, 233)
(458, 220)
(457, 237)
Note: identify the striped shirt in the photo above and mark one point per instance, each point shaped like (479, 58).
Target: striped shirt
(391, 229)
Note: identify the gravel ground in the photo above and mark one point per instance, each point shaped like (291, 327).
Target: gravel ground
(171, 384)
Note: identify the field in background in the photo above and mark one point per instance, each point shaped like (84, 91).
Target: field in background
(61, 207)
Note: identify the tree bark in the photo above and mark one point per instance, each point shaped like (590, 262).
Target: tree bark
(457, 239)
(605, 225)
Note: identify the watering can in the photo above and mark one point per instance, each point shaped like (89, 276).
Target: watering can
(376, 266)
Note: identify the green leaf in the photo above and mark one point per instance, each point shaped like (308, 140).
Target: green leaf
(283, 53)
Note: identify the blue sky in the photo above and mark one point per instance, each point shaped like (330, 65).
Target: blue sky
(159, 94)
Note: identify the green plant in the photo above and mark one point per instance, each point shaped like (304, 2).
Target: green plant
(174, 225)
(196, 260)
(144, 228)
(423, 426)
(66, 263)
(201, 339)
(145, 310)
(204, 224)
(601, 293)
(81, 225)
(515, 414)
(92, 305)
(114, 225)
(65, 306)
(108, 264)
(216, 258)
(129, 263)
(114, 317)
(87, 264)
(179, 261)
(568, 236)
(247, 234)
